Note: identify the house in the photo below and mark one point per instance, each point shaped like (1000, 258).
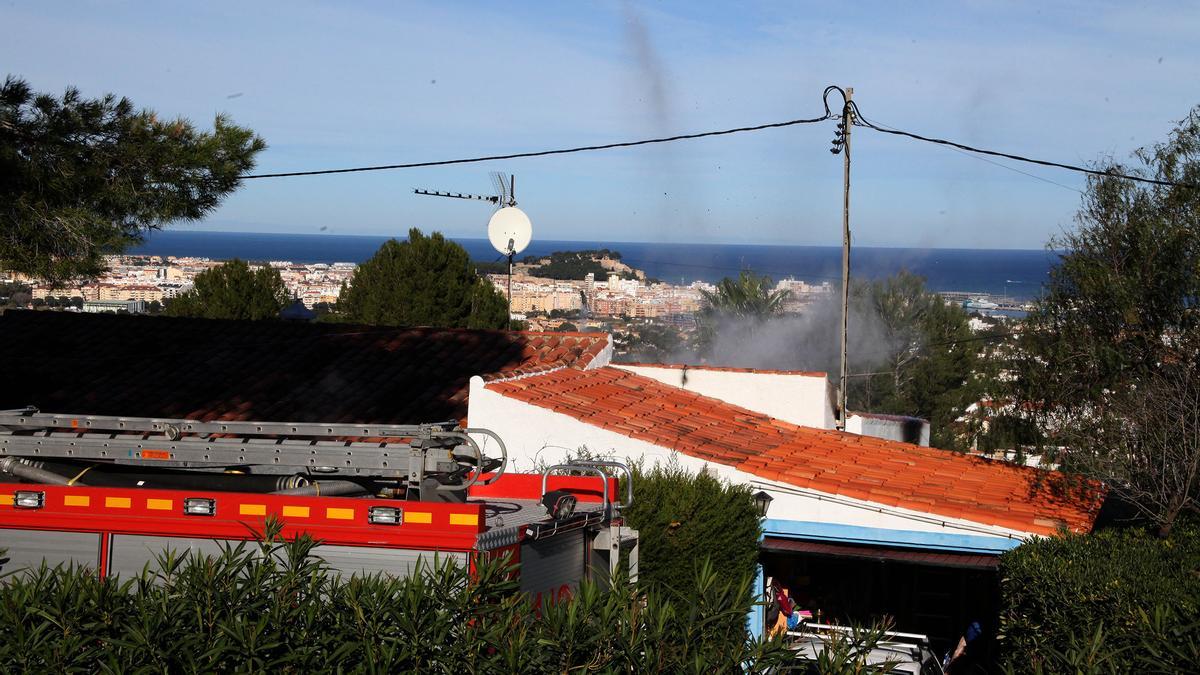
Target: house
(859, 526)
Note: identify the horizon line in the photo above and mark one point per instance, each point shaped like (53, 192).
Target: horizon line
(594, 241)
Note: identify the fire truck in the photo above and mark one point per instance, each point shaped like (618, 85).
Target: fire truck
(113, 493)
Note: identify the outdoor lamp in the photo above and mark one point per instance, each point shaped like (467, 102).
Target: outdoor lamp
(762, 501)
(560, 504)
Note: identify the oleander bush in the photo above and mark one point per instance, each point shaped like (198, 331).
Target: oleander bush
(684, 517)
(271, 606)
(1110, 601)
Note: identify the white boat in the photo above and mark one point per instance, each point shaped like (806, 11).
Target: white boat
(980, 303)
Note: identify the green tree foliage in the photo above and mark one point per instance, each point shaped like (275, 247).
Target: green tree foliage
(741, 304)
(1121, 600)
(573, 264)
(14, 294)
(81, 177)
(925, 367)
(275, 608)
(650, 342)
(233, 291)
(748, 297)
(684, 517)
(1121, 310)
(1123, 298)
(423, 281)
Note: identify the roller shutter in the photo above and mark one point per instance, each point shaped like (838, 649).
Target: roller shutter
(130, 553)
(553, 565)
(26, 549)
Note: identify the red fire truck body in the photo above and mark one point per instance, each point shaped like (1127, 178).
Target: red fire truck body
(560, 528)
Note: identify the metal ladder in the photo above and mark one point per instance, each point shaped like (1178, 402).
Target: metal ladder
(413, 454)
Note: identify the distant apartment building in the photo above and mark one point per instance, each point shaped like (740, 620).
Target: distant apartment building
(529, 297)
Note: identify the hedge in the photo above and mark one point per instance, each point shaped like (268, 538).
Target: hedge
(1110, 599)
(683, 517)
(271, 606)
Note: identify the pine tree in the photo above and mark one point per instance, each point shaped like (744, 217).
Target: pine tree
(80, 178)
(423, 281)
(233, 291)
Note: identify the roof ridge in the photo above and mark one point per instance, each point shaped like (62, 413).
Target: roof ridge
(521, 374)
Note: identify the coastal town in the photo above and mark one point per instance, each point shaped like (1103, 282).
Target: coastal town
(146, 283)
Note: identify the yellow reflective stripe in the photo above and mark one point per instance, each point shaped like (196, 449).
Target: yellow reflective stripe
(253, 509)
(159, 504)
(295, 511)
(419, 517)
(77, 500)
(464, 519)
(117, 502)
(339, 514)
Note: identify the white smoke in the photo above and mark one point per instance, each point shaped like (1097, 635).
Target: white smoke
(806, 341)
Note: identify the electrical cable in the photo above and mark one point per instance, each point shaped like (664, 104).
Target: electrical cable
(858, 120)
(995, 163)
(861, 121)
(544, 153)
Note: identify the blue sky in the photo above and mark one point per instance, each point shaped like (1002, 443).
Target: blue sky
(334, 84)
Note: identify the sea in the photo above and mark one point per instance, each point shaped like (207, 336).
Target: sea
(1017, 275)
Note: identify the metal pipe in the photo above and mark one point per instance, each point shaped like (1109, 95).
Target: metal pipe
(503, 452)
(31, 471)
(121, 476)
(615, 465)
(325, 488)
(579, 467)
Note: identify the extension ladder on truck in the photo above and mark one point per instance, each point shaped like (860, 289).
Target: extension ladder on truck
(430, 462)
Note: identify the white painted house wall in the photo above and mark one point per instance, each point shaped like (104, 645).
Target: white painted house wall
(881, 427)
(799, 398)
(537, 437)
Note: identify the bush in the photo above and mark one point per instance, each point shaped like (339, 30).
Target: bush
(683, 517)
(273, 607)
(1106, 599)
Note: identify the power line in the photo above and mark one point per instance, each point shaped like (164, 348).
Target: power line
(1034, 176)
(858, 120)
(544, 153)
(863, 122)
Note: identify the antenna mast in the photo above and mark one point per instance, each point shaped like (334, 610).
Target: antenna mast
(509, 229)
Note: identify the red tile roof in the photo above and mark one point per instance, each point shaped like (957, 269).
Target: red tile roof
(858, 467)
(107, 364)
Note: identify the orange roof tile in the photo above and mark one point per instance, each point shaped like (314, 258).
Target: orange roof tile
(888, 472)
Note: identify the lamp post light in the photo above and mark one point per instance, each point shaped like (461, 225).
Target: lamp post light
(762, 501)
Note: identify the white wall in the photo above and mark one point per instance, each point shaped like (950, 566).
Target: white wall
(537, 437)
(882, 427)
(799, 398)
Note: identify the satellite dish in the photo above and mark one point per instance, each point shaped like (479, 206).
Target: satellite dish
(509, 230)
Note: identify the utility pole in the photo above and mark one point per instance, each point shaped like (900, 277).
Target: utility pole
(847, 124)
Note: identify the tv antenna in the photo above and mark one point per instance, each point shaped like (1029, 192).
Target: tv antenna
(509, 229)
